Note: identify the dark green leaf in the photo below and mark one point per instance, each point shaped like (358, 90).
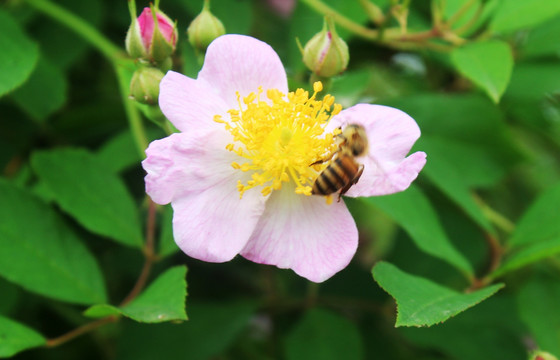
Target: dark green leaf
(534, 80)
(163, 300)
(59, 43)
(39, 251)
(538, 307)
(323, 335)
(521, 14)
(212, 328)
(413, 211)
(490, 330)
(421, 302)
(167, 245)
(15, 337)
(44, 92)
(18, 56)
(537, 234)
(488, 64)
(90, 192)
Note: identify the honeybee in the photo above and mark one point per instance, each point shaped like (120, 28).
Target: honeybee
(343, 171)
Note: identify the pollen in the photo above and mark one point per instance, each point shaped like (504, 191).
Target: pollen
(281, 138)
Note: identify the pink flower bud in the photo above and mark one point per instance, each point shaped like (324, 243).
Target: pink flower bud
(326, 54)
(152, 36)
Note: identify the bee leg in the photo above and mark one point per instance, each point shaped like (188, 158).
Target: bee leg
(351, 183)
(321, 161)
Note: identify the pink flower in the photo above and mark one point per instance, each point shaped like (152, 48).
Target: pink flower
(238, 174)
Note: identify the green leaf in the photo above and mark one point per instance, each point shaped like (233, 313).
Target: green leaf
(32, 97)
(538, 308)
(521, 14)
(537, 234)
(212, 328)
(488, 64)
(421, 302)
(413, 211)
(18, 56)
(446, 173)
(324, 335)
(163, 300)
(60, 44)
(39, 251)
(490, 330)
(539, 42)
(167, 245)
(89, 191)
(15, 337)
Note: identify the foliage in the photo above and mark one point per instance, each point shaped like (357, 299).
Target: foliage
(465, 262)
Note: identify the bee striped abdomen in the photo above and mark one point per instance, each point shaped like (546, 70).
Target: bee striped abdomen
(336, 176)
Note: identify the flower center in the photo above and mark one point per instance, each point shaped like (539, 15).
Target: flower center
(281, 139)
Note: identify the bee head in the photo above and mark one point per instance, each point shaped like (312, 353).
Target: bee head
(355, 139)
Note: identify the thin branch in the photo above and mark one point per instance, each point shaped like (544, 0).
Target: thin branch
(149, 254)
(80, 331)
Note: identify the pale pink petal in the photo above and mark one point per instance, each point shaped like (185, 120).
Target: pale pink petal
(391, 134)
(190, 104)
(215, 224)
(242, 63)
(305, 234)
(187, 162)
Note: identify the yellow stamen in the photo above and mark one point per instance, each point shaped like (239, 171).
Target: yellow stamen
(281, 137)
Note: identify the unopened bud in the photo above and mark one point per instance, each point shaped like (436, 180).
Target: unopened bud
(205, 28)
(326, 54)
(144, 86)
(542, 355)
(152, 36)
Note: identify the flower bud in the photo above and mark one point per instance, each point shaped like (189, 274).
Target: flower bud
(144, 86)
(326, 54)
(152, 36)
(542, 355)
(205, 28)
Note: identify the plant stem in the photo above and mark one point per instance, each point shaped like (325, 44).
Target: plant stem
(112, 52)
(132, 113)
(78, 25)
(80, 331)
(149, 254)
(342, 20)
(459, 14)
(495, 217)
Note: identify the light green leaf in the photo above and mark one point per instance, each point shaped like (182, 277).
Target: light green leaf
(42, 254)
(488, 64)
(421, 302)
(15, 337)
(539, 42)
(34, 99)
(537, 234)
(538, 308)
(412, 210)
(521, 14)
(89, 191)
(163, 300)
(324, 335)
(212, 328)
(18, 56)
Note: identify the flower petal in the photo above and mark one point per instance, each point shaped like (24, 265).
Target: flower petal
(187, 162)
(391, 134)
(242, 63)
(305, 234)
(214, 225)
(190, 104)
